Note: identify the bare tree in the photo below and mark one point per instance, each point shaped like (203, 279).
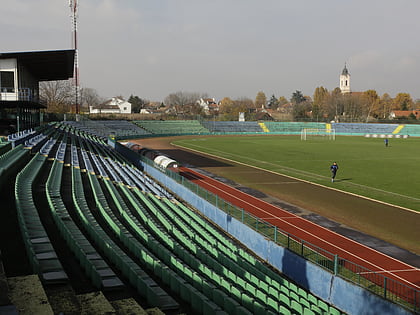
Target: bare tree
(183, 102)
(59, 95)
(90, 97)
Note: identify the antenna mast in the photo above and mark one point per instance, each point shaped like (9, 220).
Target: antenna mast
(73, 14)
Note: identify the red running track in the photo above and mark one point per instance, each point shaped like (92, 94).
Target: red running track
(330, 241)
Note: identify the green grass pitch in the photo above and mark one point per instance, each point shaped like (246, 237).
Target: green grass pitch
(366, 167)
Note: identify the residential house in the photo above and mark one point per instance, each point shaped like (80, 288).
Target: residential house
(115, 105)
(395, 114)
(209, 105)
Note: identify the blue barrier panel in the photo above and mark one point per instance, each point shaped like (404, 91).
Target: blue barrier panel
(334, 290)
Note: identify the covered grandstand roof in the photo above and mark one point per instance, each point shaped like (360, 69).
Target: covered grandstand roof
(46, 65)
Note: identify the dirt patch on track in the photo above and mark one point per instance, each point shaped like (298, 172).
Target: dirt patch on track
(388, 229)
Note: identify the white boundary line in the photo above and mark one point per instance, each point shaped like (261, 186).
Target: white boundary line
(380, 269)
(303, 180)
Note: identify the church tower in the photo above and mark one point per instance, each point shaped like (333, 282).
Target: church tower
(345, 80)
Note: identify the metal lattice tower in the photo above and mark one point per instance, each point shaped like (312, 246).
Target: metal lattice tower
(73, 14)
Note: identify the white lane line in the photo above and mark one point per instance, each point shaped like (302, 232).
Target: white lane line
(317, 237)
(279, 168)
(387, 271)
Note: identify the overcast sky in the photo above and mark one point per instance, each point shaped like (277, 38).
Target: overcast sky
(226, 48)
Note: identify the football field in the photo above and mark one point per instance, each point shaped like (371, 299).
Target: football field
(366, 166)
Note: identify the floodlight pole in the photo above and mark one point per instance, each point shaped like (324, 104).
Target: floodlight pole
(73, 9)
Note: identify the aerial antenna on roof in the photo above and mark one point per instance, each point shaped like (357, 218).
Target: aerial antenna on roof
(73, 14)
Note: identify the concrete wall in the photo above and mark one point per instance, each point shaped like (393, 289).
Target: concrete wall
(334, 290)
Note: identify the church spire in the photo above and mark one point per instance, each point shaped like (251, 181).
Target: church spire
(345, 80)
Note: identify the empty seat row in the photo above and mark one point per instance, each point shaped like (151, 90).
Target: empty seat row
(201, 260)
(20, 135)
(144, 284)
(41, 253)
(172, 126)
(94, 265)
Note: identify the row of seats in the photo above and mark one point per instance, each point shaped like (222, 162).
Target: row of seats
(144, 284)
(267, 288)
(411, 130)
(233, 126)
(121, 128)
(33, 141)
(275, 298)
(4, 145)
(360, 128)
(105, 128)
(171, 127)
(165, 269)
(20, 135)
(291, 127)
(10, 160)
(116, 167)
(194, 259)
(148, 223)
(42, 256)
(96, 268)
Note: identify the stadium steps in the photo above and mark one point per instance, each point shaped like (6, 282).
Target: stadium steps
(91, 261)
(28, 295)
(398, 129)
(6, 304)
(43, 258)
(263, 127)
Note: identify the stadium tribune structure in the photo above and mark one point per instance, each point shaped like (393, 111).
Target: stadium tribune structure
(20, 74)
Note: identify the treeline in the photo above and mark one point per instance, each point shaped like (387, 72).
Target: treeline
(323, 105)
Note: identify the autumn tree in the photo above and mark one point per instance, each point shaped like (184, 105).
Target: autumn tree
(386, 105)
(283, 100)
(260, 99)
(403, 101)
(352, 109)
(371, 104)
(246, 103)
(319, 104)
(335, 105)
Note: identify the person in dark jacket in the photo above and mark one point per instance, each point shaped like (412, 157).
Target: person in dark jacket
(334, 169)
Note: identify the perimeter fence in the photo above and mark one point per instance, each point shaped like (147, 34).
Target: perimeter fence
(375, 282)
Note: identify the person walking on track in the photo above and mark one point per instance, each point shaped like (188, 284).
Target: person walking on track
(334, 169)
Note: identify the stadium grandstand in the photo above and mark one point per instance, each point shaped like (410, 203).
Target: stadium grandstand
(84, 218)
(123, 231)
(88, 226)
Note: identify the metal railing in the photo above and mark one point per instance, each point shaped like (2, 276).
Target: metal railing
(385, 287)
(20, 94)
